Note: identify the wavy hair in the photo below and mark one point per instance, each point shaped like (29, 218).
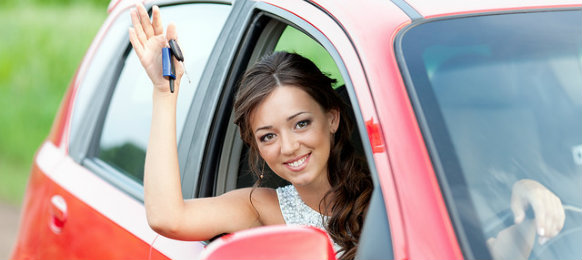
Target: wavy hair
(348, 174)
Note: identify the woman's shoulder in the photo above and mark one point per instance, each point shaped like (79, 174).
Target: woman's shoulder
(265, 201)
(258, 195)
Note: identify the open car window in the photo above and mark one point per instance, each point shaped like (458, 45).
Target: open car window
(235, 172)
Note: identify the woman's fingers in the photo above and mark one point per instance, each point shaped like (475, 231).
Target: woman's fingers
(148, 39)
(157, 21)
(172, 34)
(548, 210)
(518, 206)
(138, 29)
(541, 211)
(558, 216)
(145, 21)
(137, 46)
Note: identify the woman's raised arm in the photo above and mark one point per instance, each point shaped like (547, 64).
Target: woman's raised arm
(167, 213)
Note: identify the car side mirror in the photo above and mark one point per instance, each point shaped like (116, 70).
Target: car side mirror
(272, 242)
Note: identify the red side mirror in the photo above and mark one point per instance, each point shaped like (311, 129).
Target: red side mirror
(272, 242)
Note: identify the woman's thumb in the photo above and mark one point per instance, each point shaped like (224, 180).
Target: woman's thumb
(518, 207)
(171, 32)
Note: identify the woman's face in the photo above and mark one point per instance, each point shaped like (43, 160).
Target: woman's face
(293, 135)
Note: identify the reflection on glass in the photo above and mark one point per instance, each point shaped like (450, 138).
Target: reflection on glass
(127, 125)
(502, 96)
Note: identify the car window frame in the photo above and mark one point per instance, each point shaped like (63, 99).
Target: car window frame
(198, 123)
(376, 226)
(85, 146)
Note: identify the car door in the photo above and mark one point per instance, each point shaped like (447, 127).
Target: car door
(85, 197)
(264, 28)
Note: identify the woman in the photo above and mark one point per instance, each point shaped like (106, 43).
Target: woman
(293, 121)
(303, 141)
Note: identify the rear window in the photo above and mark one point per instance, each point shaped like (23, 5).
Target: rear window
(499, 99)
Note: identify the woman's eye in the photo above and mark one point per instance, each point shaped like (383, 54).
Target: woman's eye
(303, 123)
(267, 137)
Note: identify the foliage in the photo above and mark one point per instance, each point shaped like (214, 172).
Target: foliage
(40, 51)
(128, 158)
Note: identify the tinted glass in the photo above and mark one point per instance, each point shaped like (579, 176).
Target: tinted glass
(96, 72)
(500, 97)
(127, 124)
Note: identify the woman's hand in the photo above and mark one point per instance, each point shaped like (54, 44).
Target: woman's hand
(547, 207)
(147, 39)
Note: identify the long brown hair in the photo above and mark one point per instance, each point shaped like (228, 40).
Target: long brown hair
(348, 173)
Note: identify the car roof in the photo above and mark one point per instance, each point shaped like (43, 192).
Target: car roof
(432, 8)
(425, 8)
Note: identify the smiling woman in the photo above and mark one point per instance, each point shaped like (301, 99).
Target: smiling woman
(289, 114)
(293, 121)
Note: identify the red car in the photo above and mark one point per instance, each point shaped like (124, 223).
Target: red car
(454, 102)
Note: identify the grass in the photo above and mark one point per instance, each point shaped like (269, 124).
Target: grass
(41, 47)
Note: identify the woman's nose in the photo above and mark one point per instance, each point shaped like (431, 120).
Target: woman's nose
(289, 144)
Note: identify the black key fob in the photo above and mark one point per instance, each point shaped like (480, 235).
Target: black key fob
(176, 50)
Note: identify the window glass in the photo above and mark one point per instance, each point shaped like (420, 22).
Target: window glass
(502, 99)
(126, 128)
(96, 70)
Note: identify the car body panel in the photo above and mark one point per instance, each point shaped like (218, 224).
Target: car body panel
(351, 59)
(426, 228)
(100, 217)
(103, 212)
(55, 174)
(429, 9)
(85, 232)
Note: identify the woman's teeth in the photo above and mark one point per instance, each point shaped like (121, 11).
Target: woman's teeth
(298, 162)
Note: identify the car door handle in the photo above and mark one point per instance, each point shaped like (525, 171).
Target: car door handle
(58, 213)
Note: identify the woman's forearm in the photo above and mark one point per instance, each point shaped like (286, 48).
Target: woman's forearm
(162, 188)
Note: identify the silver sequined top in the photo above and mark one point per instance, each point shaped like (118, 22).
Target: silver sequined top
(296, 212)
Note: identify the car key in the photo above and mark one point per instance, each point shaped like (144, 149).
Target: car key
(177, 52)
(168, 69)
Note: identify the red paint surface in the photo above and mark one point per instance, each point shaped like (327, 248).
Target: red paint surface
(431, 8)
(85, 234)
(419, 221)
(272, 242)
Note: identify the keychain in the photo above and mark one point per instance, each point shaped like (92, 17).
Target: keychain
(168, 68)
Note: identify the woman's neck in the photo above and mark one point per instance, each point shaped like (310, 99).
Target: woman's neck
(313, 193)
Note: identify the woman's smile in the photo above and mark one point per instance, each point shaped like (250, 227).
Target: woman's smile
(293, 135)
(299, 164)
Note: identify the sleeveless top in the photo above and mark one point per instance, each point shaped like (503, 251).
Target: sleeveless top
(296, 212)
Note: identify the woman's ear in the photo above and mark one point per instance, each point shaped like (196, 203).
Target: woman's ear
(333, 117)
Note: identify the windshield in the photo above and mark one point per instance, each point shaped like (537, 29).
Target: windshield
(499, 100)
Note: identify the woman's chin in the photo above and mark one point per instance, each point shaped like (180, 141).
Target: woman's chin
(301, 181)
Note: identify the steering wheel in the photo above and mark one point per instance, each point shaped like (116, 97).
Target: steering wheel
(566, 245)
(501, 220)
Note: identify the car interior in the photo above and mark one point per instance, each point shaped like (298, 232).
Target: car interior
(503, 132)
(233, 165)
(234, 171)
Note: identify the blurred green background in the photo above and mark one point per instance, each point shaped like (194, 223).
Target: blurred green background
(42, 44)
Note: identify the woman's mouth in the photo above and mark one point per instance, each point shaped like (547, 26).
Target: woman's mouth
(298, 164)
